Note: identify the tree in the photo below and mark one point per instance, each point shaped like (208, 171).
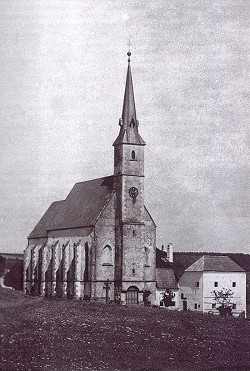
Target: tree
(146, 294)
(2, 265)
(14, 277)
(167, 298)
(223, 298)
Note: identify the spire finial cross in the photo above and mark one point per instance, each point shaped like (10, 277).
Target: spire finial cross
(129, 52)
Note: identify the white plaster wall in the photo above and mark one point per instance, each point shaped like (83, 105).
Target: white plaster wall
(158, 296)
(203, 295)
(194, 295)
(225, 280)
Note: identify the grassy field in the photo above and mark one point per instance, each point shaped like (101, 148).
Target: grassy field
(40, 334)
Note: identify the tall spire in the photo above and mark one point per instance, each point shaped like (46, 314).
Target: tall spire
(129, 124)
(128, 111)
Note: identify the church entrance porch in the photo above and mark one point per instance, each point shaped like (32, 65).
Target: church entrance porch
(132, 296)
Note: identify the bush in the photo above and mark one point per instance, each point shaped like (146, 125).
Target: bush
(14, 277)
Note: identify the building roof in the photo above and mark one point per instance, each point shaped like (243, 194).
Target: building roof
(165, 278)
(129, 124)
(165, 274)
(161, 259)
(214, 264)
(182, 260)
(81, 208)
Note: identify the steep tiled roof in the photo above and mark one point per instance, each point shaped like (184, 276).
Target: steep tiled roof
(81, 208)
(165, 278)
(47, 220)
(215, 264)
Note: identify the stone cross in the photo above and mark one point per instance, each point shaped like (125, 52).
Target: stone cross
(107, 288)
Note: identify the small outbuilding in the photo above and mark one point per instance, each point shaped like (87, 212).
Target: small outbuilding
(206, 278)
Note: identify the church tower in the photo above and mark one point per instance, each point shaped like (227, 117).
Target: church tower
(130, 232)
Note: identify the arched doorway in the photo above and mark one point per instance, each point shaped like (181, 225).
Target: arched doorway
(132, 295)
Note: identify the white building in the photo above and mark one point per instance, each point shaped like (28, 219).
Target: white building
(207, 274)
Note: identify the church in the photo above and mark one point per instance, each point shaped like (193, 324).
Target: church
(99, 243)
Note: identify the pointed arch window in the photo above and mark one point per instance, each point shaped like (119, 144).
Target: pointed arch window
(107, 256)
(133, 155)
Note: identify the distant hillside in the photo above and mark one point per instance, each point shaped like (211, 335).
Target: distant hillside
(12, 255)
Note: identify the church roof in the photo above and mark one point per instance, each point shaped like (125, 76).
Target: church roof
(81, 208)
(46, 221)
(214, 264)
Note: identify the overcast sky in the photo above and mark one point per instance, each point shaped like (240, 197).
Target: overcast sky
(62, 73)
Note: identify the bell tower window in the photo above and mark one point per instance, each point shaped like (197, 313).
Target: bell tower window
(133, 155)
(132, 122)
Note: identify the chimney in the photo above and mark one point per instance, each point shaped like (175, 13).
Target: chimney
(170, 253)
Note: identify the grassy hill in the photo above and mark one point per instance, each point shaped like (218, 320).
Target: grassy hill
(40, 334)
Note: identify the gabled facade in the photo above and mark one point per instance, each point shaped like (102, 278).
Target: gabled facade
(99, 243)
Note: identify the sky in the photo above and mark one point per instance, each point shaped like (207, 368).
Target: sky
(62, 75)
